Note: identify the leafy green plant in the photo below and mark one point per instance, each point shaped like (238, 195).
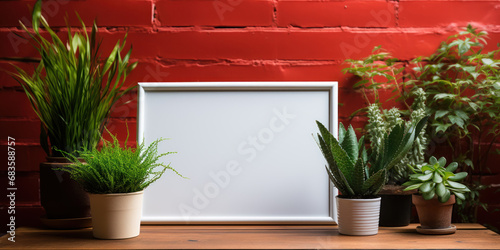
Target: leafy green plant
(353, 172)
(462, 83)
(436, 180)
(381, 71)
(72, 89)
(114, 169)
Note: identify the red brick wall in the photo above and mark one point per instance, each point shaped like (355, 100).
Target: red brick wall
(230, 40)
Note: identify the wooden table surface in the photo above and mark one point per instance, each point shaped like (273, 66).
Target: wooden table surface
(468, 236)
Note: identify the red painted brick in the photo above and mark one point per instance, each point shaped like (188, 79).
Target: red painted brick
(215, 13)
(28, 157)
(490, 217)
(349, 101)
(260, 43)
(125, 107)
(11, 45)
(27, 184)
(14, 46)
(491, 195)
(8, 81)
(279, 44)
(492, 166)
(432, 14)
(353, 100)
(194, 71)
(290, 44)
(26, 215)
(336, 13)
(107, 13)
(15, 104)
(118, 127)
(26, 131)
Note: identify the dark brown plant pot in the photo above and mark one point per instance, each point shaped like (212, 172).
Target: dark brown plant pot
(61, 197)
(433, 214)
(395, 208)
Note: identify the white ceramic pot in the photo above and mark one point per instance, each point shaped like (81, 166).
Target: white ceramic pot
(358, 216)
(116, 216)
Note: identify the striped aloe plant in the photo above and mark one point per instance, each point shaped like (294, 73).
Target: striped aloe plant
(355, 174)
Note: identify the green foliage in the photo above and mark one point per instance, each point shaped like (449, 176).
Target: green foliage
(355, 174)
(114, 169)
(381, 122)
(381, 71)
(462, 83)
(375, 72)
(73, 89)
(436, 180)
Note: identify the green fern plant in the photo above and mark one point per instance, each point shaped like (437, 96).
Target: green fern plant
(114, 169)
(355, 174)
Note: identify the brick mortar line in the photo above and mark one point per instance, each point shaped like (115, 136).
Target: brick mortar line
(168, 62)
(396, 12)
(290, 28)
(275, 13)
(155, 22)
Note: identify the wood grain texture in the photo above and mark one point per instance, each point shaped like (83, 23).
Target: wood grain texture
(468, 236)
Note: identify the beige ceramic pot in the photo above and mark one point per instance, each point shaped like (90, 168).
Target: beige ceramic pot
(116, 216)
(358, 216)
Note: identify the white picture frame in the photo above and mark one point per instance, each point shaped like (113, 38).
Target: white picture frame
(246, 147)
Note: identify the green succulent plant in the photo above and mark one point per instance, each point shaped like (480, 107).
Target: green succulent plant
(355, 174)
(380, 121)
(436, 180)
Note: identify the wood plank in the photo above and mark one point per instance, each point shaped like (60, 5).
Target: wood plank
(468, 236)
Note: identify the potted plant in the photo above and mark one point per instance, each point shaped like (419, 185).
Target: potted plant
(115, 178)
(462, 82)
(360, 177)
(377, 72)
(72, 91)
(438, 189)
(396, 203)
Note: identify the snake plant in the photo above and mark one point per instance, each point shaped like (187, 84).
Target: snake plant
(436, 180)
(355, 174)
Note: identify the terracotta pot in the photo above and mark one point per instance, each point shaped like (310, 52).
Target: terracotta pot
(433, 214)
(358, 216)
(60, 196)
(116, 216)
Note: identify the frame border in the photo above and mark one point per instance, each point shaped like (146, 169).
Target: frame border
(330, 86)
